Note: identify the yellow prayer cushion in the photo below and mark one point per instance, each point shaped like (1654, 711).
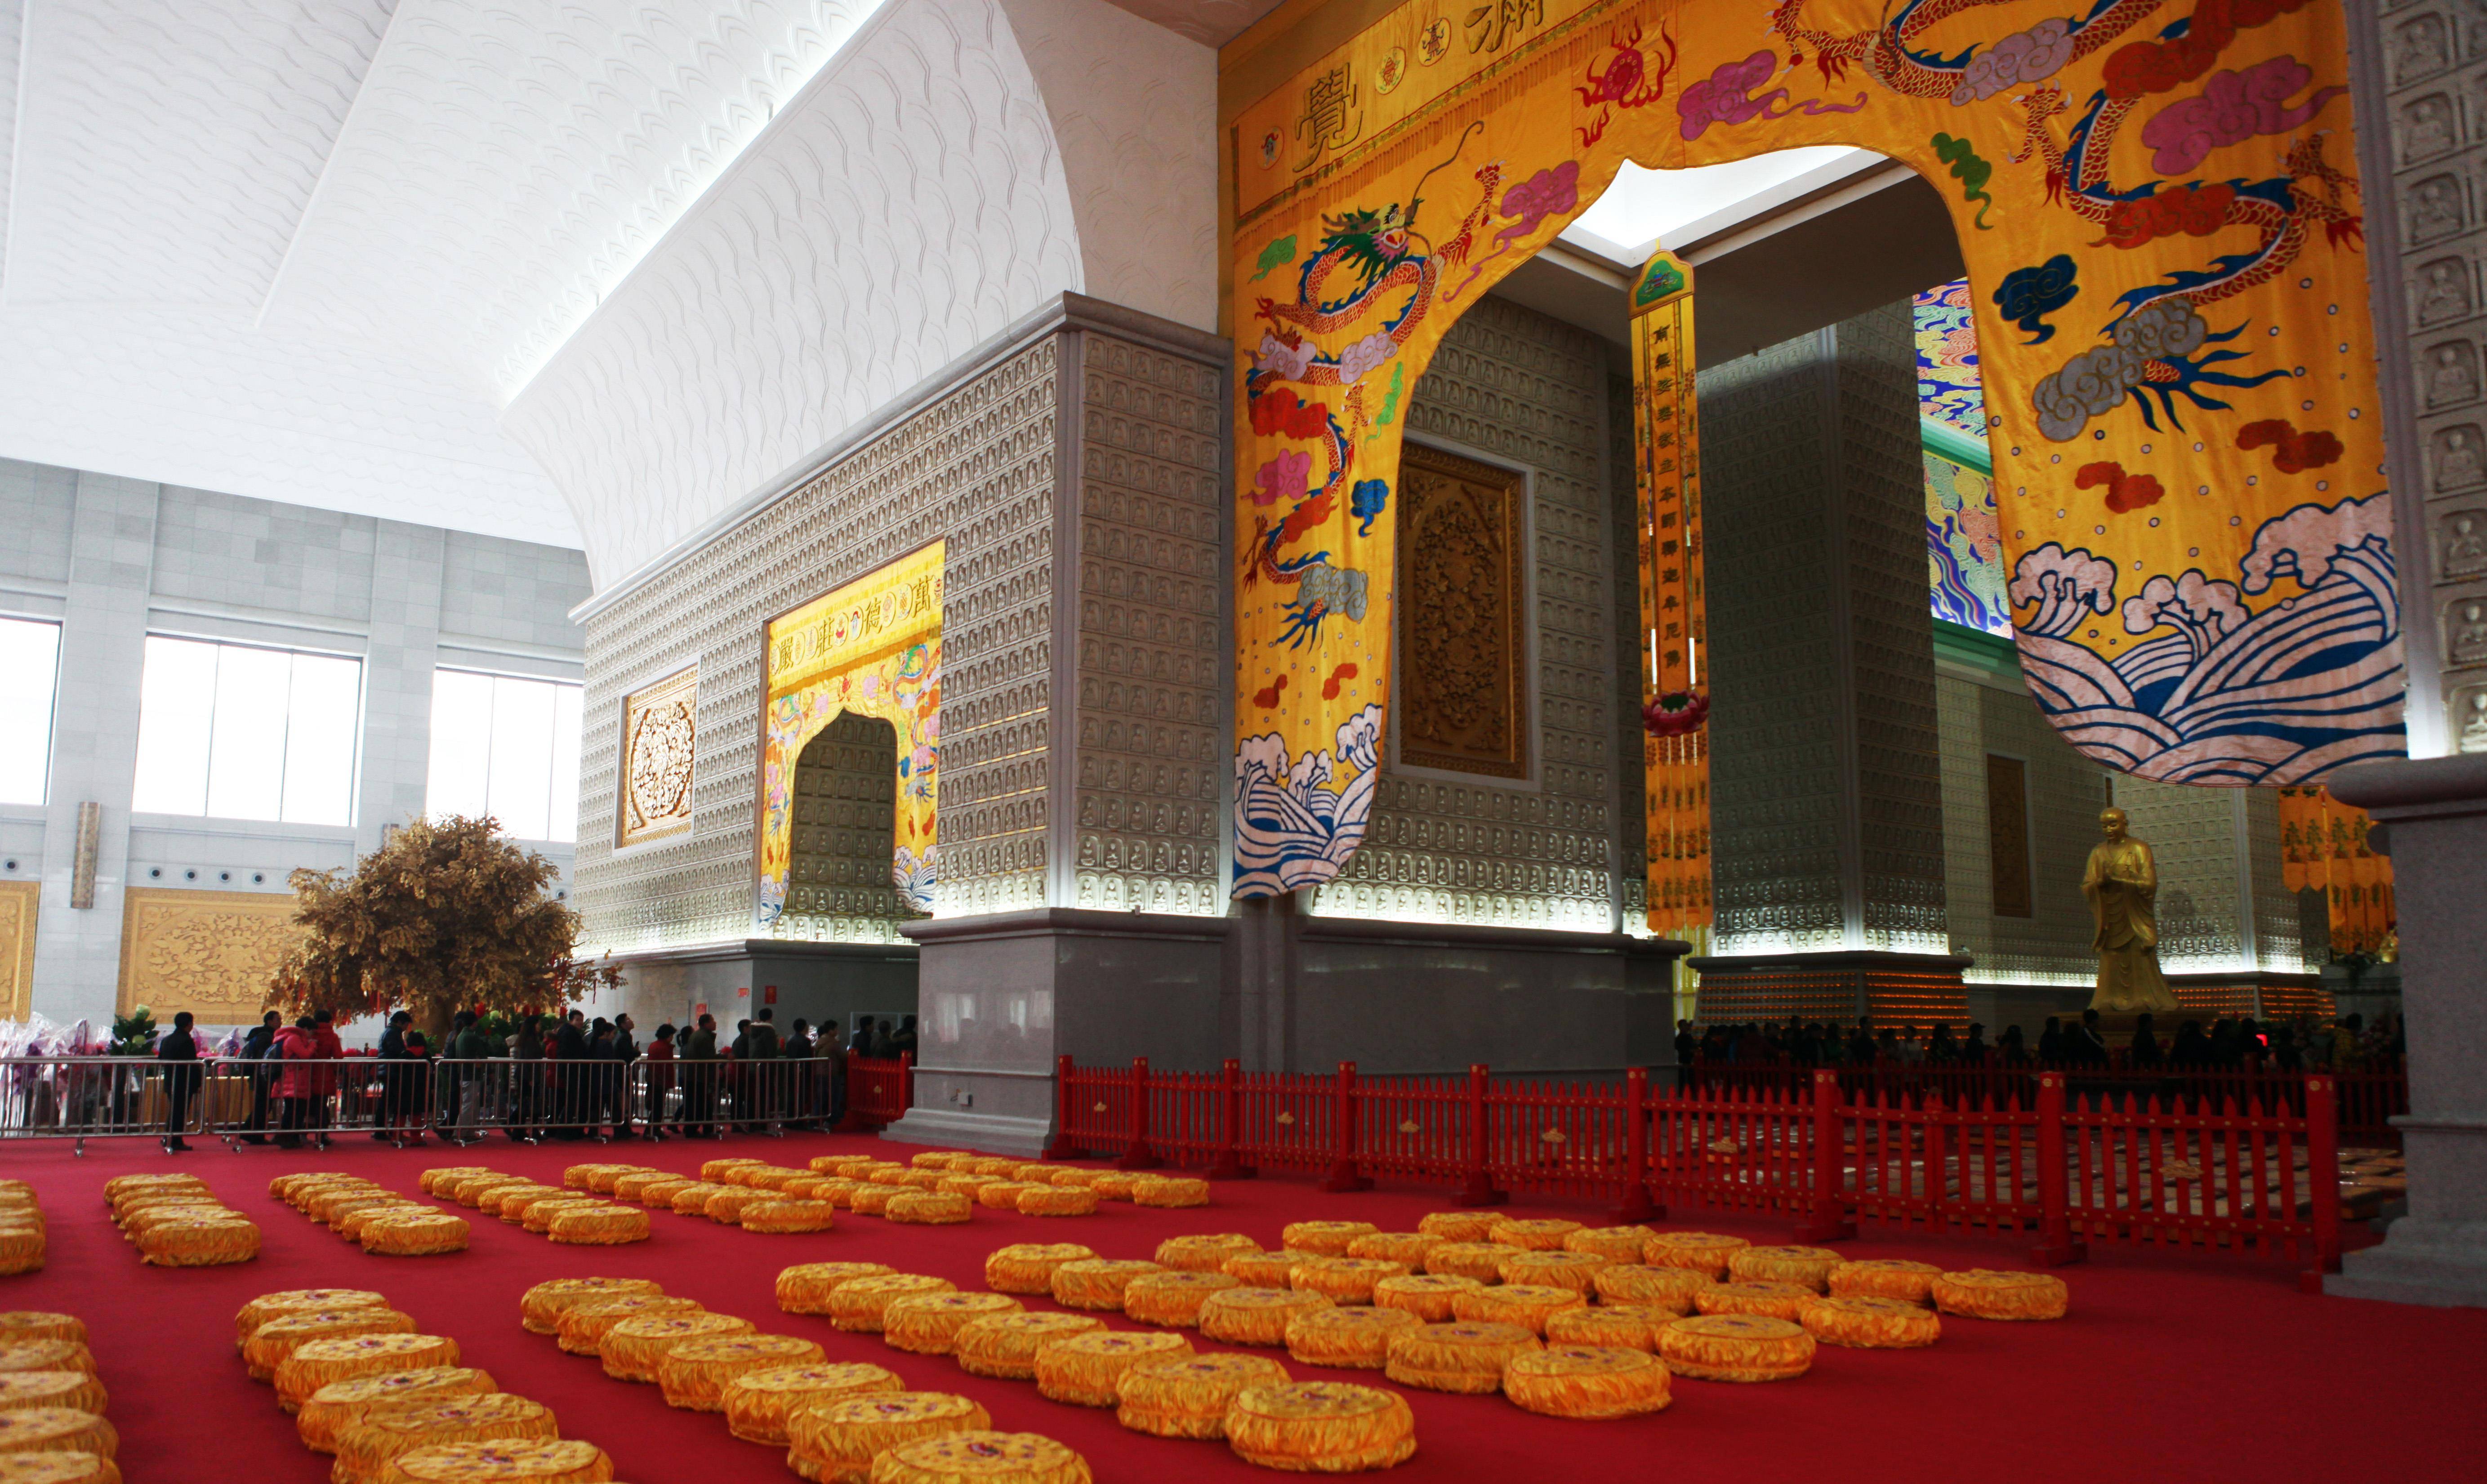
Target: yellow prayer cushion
(365, 1448)
(858, 1305)
(1329, 1239)
(298, 1301)
(1884, 1278)
(1255, 1316)
(1005, 1345)
(1343, 1279)
(1462, 1357)
(1170, 1191)
(1534, 1236)
(1187, 1396)
(1806, 1267)
(693, 1374)
(314, 1363)
(341, 1404)
(583, 1325)
(836, 1443)
(1590, 1382)
(57, 1430)
(1028, 1267)
(1058, 1200)
(1735, 1347)
(929, 1324)
(80, 1390)
(1870, 1324)
(1525, 1304)
(1702, 1251)
(1082, 1369)
(1672, 1288)
(633, 1348)
(1614, 1326)
(1355, 1338)
(1457, 1225)
(1173, 1298)
(760, 1404)
(1320, 1426)
(517, 1460)
(1404, 1248)
(1426, 1295)
(1984, 1293)
(805, 1287)
(539, 1309)
(601, 1226)
(982, 1457)
(1097, 1282)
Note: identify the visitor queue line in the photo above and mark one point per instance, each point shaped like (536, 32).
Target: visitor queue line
(300, 1101)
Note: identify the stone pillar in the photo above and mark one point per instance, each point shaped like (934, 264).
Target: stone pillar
(406, 562)
(2433, 817)
(1825, 788)
(95, 743)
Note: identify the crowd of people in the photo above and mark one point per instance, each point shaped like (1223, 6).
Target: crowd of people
(562, 1076)
(2232, 1042)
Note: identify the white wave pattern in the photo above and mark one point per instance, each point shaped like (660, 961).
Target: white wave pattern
(1292, 828)
(2227, 697)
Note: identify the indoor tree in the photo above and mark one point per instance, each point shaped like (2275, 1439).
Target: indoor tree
(447, 915)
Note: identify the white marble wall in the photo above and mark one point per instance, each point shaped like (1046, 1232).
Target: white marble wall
(113, 559)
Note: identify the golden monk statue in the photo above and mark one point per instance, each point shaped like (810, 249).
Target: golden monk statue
(2122, 885)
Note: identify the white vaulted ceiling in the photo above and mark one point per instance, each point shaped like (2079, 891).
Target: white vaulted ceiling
(339, 252)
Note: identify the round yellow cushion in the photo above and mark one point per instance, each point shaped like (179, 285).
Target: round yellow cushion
(1884, 1278)
(1592, 1382)
(1870, 1324)
(1462, 1357)
(1735, 1347)
(1614, 1327)
(1343, 1279)
(1525, 1304)
(634, 1349)
(1170, 1191)
(981, 1457)
(1983, 1292)
(1056, 1200)
(1328, 1238)
(517, 1460)
(1671, 1288)
(693, 1374)
(929, 1324)
(600, 1225)
(805, 1287)
(341, 1404)
(314, 1363)
(1320, 1426)
(1352, 1338)
(1805, 1267)
(1173, 1297)
(858, 1305)
(366, 1447)
(1005, 1345)
(1028, 1267)
(1458, 1225)
(1083, 1369)
(583, 1325)
(929, 1208)
(1426, 1295)
(837, 1442)
(1188, 1397)
(57, 1430)
(1479, 1260)
(1702, 1251)
(539, 1309)
(1097, 1282)
(1255, 1316)
(760, 1404)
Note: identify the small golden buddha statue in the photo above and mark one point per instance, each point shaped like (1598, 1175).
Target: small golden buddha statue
(2122, 887)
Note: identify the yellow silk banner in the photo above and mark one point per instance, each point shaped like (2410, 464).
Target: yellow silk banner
(872, 647)
(2154, 202)
(1675, 709)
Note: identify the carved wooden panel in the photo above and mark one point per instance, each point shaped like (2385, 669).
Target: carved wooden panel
(2007, 834)
(1461, 604)
(659, 743)
(18, 901)
(211, 953)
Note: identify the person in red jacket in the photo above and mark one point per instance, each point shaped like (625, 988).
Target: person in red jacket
(660, 1056)
(298, 1048)
(325, 1083)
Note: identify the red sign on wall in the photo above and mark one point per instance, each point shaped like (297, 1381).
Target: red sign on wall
(768, 992)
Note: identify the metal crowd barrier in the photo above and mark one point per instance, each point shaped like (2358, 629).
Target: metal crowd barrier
(292, 1103)
(104, 1097)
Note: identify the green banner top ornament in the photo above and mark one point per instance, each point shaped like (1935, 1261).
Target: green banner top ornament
(1664, 278)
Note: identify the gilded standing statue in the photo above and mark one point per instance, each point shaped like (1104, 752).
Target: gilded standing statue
(2122, 885)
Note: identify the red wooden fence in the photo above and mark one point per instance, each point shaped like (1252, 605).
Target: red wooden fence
(2367, 1100)
(879, 1093)
(2065, 1166)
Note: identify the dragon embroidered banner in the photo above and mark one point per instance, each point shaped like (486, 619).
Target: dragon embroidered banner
(2155, 201)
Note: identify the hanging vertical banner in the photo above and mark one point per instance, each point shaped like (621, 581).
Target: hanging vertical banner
(2323, 847)
(2157, 205)
(1675, 706)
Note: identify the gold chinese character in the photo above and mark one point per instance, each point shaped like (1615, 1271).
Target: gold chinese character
(1489, 25)
(1333, 115)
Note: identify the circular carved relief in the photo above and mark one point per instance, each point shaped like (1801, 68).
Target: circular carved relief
(660, 763)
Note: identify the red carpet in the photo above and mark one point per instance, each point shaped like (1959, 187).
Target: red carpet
(2172, 1366)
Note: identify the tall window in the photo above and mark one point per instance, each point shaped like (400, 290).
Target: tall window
(238, 732)
(30, 664)
(506, 747)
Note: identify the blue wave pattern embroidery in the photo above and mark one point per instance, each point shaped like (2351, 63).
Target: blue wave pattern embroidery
(2308, 685)
(1292, 828)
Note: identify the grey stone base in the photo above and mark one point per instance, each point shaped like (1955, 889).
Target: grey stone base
(734, 981)
(996, 1134)
(2439, 1263)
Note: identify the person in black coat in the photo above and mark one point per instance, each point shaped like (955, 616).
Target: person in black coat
(180, 1052)
(259, 1049)
(393, 1089)
(570, 1079)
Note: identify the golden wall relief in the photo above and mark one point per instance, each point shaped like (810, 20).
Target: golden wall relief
(211, 953)
(659, 745)
(19, 904)
(1463, 609)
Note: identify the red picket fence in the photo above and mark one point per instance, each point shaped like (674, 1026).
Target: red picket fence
(879, 1093)
(2368, 1099)
(2067, 1168)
